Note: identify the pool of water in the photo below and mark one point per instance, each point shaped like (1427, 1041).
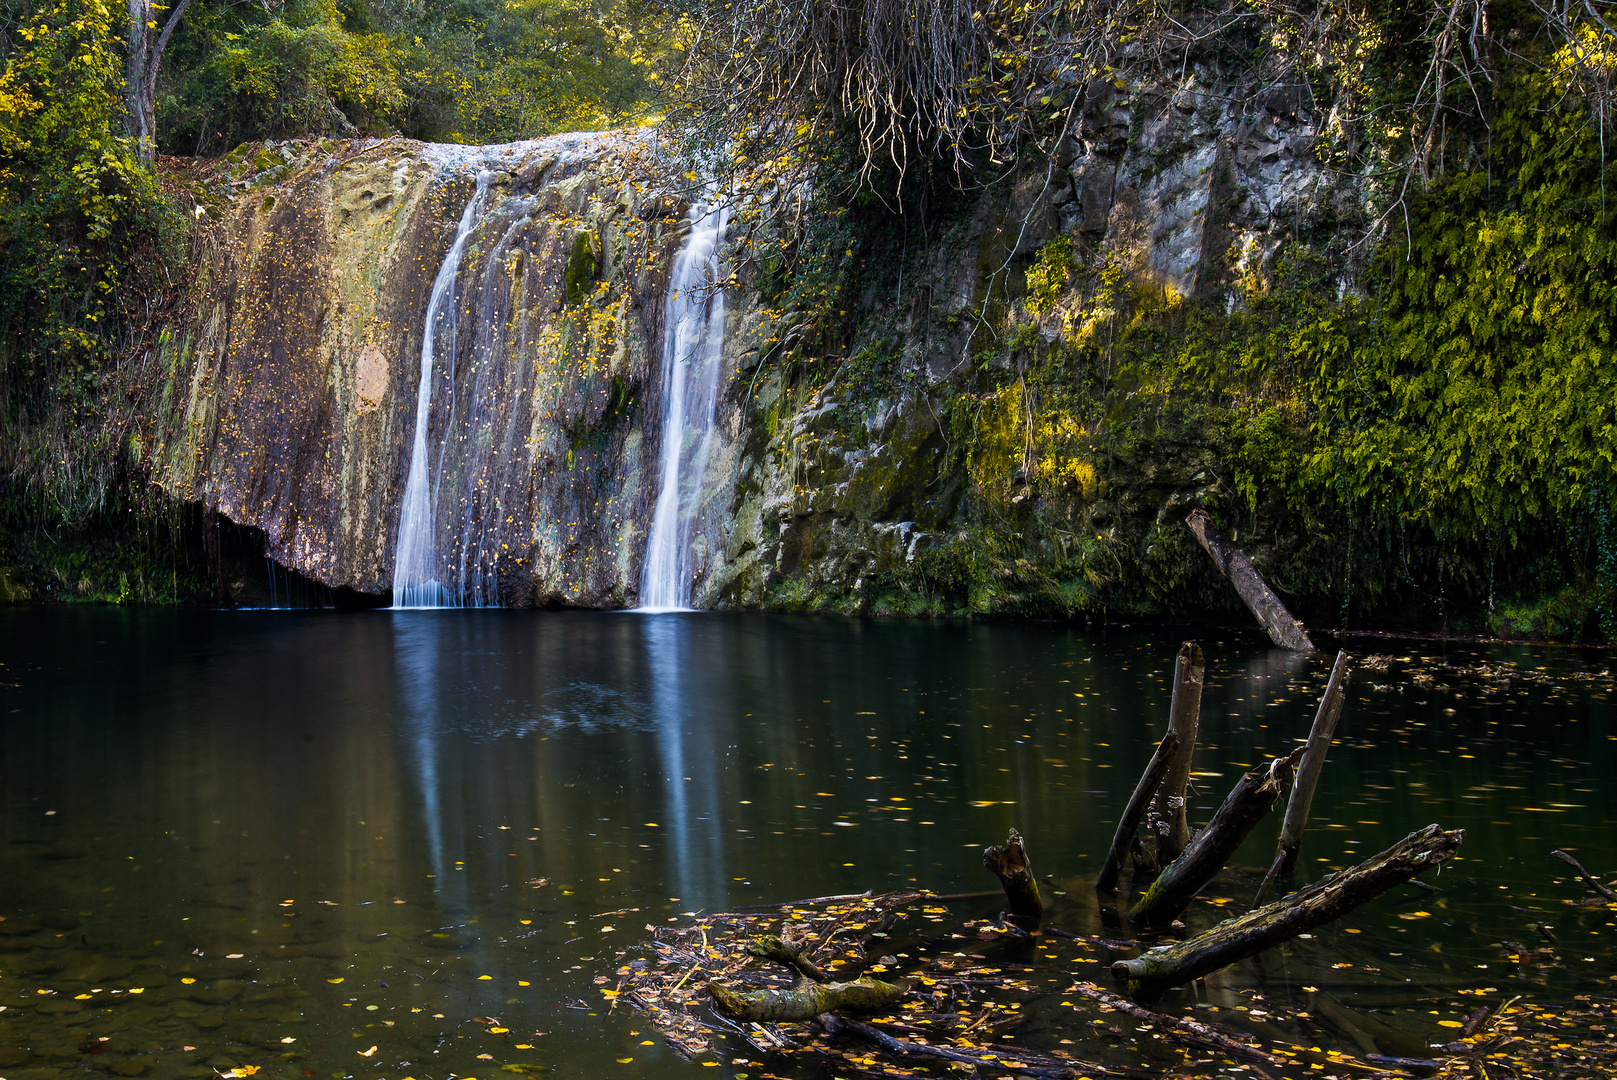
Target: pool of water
(389, 844)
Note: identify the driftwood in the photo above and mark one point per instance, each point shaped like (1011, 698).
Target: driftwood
(1148, 975)
(1128, 825)
(810, 994)
(1185, 1029)
(1167, 819)
(807, 999)
(773, 947)
(1588, 878)
(1284, 630)
(1249, 802)
(1302, 792)
(1010, 864)
(1002, 1058)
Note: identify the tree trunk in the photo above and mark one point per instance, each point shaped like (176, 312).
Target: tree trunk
(144, 46)
(1251, 800)
(1009, 863)
(1167, 819)
(1128, 825)
(1330, 898)
(1302, 793)
(1283, 629)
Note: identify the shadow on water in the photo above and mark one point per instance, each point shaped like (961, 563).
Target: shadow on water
(299, 836)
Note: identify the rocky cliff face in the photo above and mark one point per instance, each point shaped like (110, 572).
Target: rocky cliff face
(1181, 190)
(292, 383)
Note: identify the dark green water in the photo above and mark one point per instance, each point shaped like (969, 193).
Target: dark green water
(299, 836)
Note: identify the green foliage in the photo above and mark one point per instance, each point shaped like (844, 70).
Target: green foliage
(84, 229)
(1487, 405)
(580, 272)
(1049, 275)
(465, 71)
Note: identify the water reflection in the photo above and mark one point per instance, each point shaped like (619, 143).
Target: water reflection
(417, 677)
(683, 713)
(384, 808)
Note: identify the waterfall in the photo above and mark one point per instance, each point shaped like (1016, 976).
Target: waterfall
(416, 567)
(693, 344)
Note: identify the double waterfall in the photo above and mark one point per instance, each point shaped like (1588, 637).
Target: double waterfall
(452, 523)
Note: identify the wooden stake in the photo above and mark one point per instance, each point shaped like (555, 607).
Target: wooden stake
(1167, 819)
(1284, 630)
(1302, 793)
(1128, 825)
(1148, 975)
(1249, 802)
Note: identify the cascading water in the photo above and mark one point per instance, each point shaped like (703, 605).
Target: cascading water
(416, 569)
(693, 345)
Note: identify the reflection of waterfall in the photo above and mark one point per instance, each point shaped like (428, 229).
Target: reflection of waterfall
(697, 872)
(693, 344)
(418, 694)
(416, 580)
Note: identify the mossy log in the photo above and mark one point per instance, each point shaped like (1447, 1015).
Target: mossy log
(773, 947)
(1283, 629)
(1010, 864)
(1302, 792)
(1253, 797)
(1147, 976)
(807, 999)
(1128, 825)
(1167, 819)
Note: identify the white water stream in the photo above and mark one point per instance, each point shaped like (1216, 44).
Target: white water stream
(416, 568)
(693, 346)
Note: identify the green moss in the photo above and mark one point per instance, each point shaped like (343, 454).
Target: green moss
(581, 270)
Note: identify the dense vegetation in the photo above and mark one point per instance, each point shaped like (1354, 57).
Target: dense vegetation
(1431, 447)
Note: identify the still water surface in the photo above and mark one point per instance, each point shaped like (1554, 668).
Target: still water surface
(281, 839)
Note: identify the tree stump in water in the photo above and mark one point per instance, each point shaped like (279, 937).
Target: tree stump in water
(1302, 792)
(1327, 899)
(1128, 825)
(1167, 819)
(1009, 863)
(1254, 796)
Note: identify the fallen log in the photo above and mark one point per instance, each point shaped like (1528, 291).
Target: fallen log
(1148, 975)
(806, 999)
(1167, 819)
(1186, 1030)
(1000, 1058)
(1010, 864)
(1283, 629)
(1302, 792)
(1588, 878)
(1254, 796)
(1128, 825)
